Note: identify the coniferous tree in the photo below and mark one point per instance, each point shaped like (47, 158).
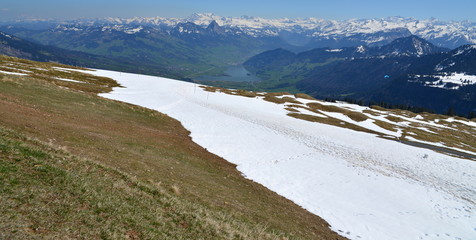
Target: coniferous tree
(472, 115)
(451, 111)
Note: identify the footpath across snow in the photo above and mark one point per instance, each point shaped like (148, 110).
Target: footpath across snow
(364, 186)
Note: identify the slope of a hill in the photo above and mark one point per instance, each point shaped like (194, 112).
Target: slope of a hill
(407, 72)
(74, 165)
(334, 164)
(16, 47)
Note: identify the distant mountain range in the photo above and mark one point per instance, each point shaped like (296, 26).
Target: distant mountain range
(407, 72)
(325, 58)
(204, 44)
(310, 32)
(184, 50)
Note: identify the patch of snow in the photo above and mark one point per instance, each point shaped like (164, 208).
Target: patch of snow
(464, 49)
(13, 73)
(469, 123)
(419, 117)
(17, 69)
(360, 49)
(334, 50)
(305, 111)
(426, 130)
(41, 69)
(430, 29)
(417, 45)
(63, 69)
(365, 187)
(374, 40)
(6, 35)
(368, 124)
(69, 80)
(133, 30)
(455, 80)
(285, 95)
(421, 122)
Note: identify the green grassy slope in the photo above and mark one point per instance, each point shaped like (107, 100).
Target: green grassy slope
(152, 51)
(75, 165)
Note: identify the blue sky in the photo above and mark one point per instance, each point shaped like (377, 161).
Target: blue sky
(329, 9)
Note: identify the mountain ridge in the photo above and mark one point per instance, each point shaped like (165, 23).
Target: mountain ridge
(448, 34)
(17, 47)
(409, 72)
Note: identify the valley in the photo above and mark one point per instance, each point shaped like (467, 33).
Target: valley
(327, 60)
(214, 127)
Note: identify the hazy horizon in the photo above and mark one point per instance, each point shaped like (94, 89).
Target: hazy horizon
(458, 10)
(254, 16)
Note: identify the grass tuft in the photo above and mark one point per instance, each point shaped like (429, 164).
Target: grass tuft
(356, 116)
(304, 96)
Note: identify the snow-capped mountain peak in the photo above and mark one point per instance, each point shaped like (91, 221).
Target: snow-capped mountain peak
(331, 33)
(449, 34)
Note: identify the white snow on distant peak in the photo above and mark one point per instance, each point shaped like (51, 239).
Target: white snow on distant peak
(334, 50)
(451, 81)
(360, 49)
(122, 28)
(464, 49)
(257, 26)
(69, 28)
(365, 187)
(417, 45)
(133, 30)
(6, 35)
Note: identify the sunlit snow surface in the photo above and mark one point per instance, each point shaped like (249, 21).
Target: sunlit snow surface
(456, 80)
(365, 187)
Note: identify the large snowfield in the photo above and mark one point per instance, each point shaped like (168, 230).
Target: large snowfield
(365, 187)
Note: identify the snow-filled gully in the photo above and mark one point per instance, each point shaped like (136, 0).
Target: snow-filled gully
(365, 187)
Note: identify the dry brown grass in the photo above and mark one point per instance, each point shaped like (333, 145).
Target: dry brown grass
(463, 137)
(274, 97)
(238, 92)
(356, 116)
(304, 96)
(376, 107)
(394, 118)
(282, 100)
(386, 125)
(277, 94)
(49, 73)
(331, 121)
(373, 113)
(209, 88)
(245, 93)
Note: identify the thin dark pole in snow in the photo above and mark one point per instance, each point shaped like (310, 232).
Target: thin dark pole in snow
(207, 95)
(195, 88)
